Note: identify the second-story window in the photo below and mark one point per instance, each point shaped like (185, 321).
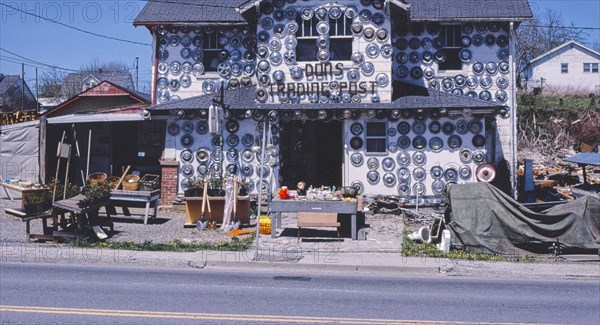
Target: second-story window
(590, 67)
(211, 49)
(339, 37)
(451, 35)
(564, 68)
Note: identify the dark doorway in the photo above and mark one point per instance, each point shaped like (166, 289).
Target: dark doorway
(311, 152)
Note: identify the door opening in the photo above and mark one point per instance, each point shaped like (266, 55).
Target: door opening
(311, 152)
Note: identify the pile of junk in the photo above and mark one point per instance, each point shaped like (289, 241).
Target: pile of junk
(480, 218)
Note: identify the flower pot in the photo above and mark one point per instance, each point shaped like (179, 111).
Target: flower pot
(30, 208)
(213, 192)
(242, 192)
(193, 192)
(40, 207)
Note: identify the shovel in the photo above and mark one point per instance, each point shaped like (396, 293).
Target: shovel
(201, 225)
(211, 224)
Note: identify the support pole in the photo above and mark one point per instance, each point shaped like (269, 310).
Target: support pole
(58, 155)
(260, 181)
(89, 148)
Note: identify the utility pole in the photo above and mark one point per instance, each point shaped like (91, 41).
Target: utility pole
(137, 59)
(22, 86)
(37, 93)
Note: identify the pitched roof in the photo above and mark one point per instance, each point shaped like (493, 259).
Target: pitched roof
(105, 89)
(190, 11)
(244, 98)
(8, 81)
(469, 9)
(454, 9)
(10, 94)
(119, 78)
(558, 48)
(240, 98)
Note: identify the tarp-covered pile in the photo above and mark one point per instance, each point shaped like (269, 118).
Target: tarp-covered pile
(484, 219)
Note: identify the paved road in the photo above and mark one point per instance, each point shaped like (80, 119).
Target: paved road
(74, 294)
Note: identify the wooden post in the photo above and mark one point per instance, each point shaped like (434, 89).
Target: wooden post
(58, 156)
(42, 149)
(67, 173)
(87, 168)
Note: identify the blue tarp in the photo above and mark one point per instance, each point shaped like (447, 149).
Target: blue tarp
(585, 158)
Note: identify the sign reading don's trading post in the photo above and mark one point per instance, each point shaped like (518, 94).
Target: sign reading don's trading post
(321, 79)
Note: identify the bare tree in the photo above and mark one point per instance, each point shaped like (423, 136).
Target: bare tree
(51, 84)
(540, 35)
(114, 66)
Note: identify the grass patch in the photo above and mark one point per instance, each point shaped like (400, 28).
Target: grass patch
(174, 246)
(553, 103)
(412, 248)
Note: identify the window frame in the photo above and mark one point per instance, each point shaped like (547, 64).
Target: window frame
(210, 48)
(595, 67)
(309, 27)
(383, 137)
(587, 67)
(564, 68)
(455, 30)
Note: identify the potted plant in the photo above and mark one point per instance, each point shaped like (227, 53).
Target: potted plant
(215, 186)
(242, 187)
(34, 202)
(95, 193)
(195, 187)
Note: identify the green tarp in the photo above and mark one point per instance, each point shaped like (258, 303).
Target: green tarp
(484, 219)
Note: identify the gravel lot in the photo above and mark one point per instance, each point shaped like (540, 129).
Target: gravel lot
(384, 232)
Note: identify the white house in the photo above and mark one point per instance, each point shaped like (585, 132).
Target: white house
(568, 68)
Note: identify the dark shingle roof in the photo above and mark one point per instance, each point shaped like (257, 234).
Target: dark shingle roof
(6, 82)
(243, 98)
(469, 9)
(190, 11)
(457, 9)
(10, 94)
(240, 98)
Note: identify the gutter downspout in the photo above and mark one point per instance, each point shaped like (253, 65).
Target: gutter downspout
(155, 64)
(513, 116)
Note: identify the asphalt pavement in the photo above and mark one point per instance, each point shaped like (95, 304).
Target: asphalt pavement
(100, 294)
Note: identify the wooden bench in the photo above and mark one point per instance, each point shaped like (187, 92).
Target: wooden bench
(317, 219)
(27, 219)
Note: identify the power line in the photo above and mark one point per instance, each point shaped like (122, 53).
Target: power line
(75, 28)
(41, 63)
(52, 66)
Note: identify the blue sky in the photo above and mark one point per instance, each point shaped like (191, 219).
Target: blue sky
(57, 45)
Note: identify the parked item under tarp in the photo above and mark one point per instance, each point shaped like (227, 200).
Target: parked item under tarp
(484, 219)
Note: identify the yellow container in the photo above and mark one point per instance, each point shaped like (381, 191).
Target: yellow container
(265, 225)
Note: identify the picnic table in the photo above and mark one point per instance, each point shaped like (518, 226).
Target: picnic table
(147, 197)
(81, 217)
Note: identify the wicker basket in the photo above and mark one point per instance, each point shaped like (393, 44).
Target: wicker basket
(112, 181)
(265, 225)
(131, 182)
(94, 178)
